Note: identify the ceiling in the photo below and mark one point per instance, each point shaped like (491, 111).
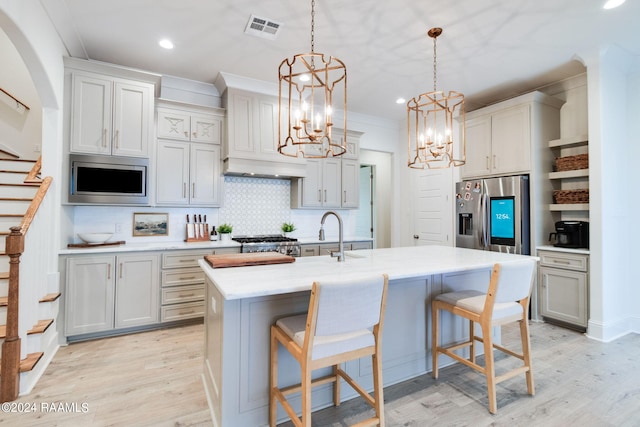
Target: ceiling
(490, 49)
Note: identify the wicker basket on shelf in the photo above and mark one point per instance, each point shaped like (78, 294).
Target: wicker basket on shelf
(571, 196)
(570, 163)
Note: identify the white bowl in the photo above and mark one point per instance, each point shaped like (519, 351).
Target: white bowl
(94, 237)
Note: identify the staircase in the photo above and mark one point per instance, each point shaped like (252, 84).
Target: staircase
(25, 322)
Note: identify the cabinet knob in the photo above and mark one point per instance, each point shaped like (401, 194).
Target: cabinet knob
(416, 236)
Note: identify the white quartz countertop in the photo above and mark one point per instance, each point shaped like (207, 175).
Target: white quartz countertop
(151, 246)
(398, 263)
(566, 250)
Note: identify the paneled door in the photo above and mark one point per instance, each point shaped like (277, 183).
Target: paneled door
(433, 209)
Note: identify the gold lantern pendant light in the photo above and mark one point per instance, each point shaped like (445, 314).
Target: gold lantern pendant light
(309, 84)
(430, 118)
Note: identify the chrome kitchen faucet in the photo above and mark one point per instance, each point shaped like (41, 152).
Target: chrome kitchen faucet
(340, 253)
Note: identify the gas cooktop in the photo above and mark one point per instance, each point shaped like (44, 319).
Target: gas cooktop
(266, 238)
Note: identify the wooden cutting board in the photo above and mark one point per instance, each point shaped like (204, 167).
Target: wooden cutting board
(241, 260)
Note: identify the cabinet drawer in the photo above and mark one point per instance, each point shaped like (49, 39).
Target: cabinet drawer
(188, 310)
(183, 294)
(309, 250)
(181, 259)
(564, 260)
(184, 276)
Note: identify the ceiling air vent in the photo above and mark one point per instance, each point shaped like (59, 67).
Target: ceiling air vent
(262, 27)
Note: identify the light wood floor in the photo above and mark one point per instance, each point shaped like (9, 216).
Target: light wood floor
(153, 379)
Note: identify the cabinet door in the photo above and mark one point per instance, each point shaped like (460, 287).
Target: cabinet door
(563, 295)
(267, 128)
(240, 125)
(511, 140)
(478, 137)
(91, 111)
(174, 124)
(133, 112)
(332, 182)
(350, 183)
(309, 250)
(312, 184)
(206, 129)
(204, 174)
(137, 290)
(89, 303)
(172, 173)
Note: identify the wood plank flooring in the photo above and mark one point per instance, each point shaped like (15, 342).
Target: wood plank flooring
(154, 379)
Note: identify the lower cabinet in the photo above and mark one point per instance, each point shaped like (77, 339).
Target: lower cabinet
(110, 292)
(563, 288)
(183, 284)
(326, 248)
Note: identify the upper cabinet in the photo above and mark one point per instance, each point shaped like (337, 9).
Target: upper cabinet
(501, 138)
(110, 115)
(188, 158)
(185, 126)
(333, 182)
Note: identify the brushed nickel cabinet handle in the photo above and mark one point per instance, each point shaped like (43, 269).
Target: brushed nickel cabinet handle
(117, 138)
(193, 190)
(319, 195)
(488, 165)
(345, 196)
(188, 278)
(104, 137)
(325, 196)
(186, 295)
(184, 190)
(109, 271)
(121, 270)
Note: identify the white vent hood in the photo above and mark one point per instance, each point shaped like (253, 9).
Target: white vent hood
(250, 143)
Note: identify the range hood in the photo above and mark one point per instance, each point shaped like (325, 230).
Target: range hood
(262, 168)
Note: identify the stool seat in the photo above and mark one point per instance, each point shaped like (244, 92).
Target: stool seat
(474, 301)
(327, 345)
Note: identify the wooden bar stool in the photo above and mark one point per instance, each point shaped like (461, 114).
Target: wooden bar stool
(344, 322)
(506, 301)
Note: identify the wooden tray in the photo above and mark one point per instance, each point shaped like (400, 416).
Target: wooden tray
(93, 245)
(241, 260)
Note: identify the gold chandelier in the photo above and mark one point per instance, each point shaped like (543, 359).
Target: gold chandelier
(310, 83)
(430, 118)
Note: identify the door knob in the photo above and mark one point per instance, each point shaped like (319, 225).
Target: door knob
(415, 236)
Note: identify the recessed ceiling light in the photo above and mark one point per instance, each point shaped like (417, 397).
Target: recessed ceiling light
(610, 4)
(166, 43)
(400, 101)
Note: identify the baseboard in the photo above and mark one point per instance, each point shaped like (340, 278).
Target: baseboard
(610, 331)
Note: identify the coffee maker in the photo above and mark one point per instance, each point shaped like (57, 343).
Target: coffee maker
(570, 234)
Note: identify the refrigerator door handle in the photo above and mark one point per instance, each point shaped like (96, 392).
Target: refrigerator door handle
(485, 222)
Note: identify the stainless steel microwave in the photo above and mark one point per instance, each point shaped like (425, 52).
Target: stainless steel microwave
(108, 180)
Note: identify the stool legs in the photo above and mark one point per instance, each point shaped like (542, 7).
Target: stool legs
(273, 379)
(526, 355)
(435, 316)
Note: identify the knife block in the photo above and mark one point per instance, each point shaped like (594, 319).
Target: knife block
(200, 232)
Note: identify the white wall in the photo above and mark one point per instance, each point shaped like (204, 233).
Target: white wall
(610, 140)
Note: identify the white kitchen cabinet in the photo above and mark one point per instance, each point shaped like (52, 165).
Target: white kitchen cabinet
(110, 115)
(350, 183)
(187, 173)
(251, 144)
(332, 182)
(322, 186)
(183, 125)
(501, 139)
(137, 290)
(563, 288)
(183, 284)
(499, 143)
(110, 292)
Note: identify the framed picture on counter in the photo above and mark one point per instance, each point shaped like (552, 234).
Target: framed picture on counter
(150, 224)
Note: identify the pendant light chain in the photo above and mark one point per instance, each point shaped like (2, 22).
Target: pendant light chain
(434, 63)
(313, 24)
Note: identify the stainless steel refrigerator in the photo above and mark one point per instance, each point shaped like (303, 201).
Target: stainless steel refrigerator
(493, 214)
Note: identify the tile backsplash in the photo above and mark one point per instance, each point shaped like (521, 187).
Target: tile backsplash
(251, 205)
(255, 205)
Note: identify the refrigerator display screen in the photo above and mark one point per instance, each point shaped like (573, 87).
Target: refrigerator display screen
(502, 220)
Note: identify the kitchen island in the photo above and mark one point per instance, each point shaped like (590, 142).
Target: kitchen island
(243, 302)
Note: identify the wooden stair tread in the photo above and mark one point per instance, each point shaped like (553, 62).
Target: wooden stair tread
(4, 301)
(16, 199)
(40, 327)
(4, 274)
(11, 215)
(19, 184)
(50, 297)
(19, 160)
(11, 171)
(30, 361)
